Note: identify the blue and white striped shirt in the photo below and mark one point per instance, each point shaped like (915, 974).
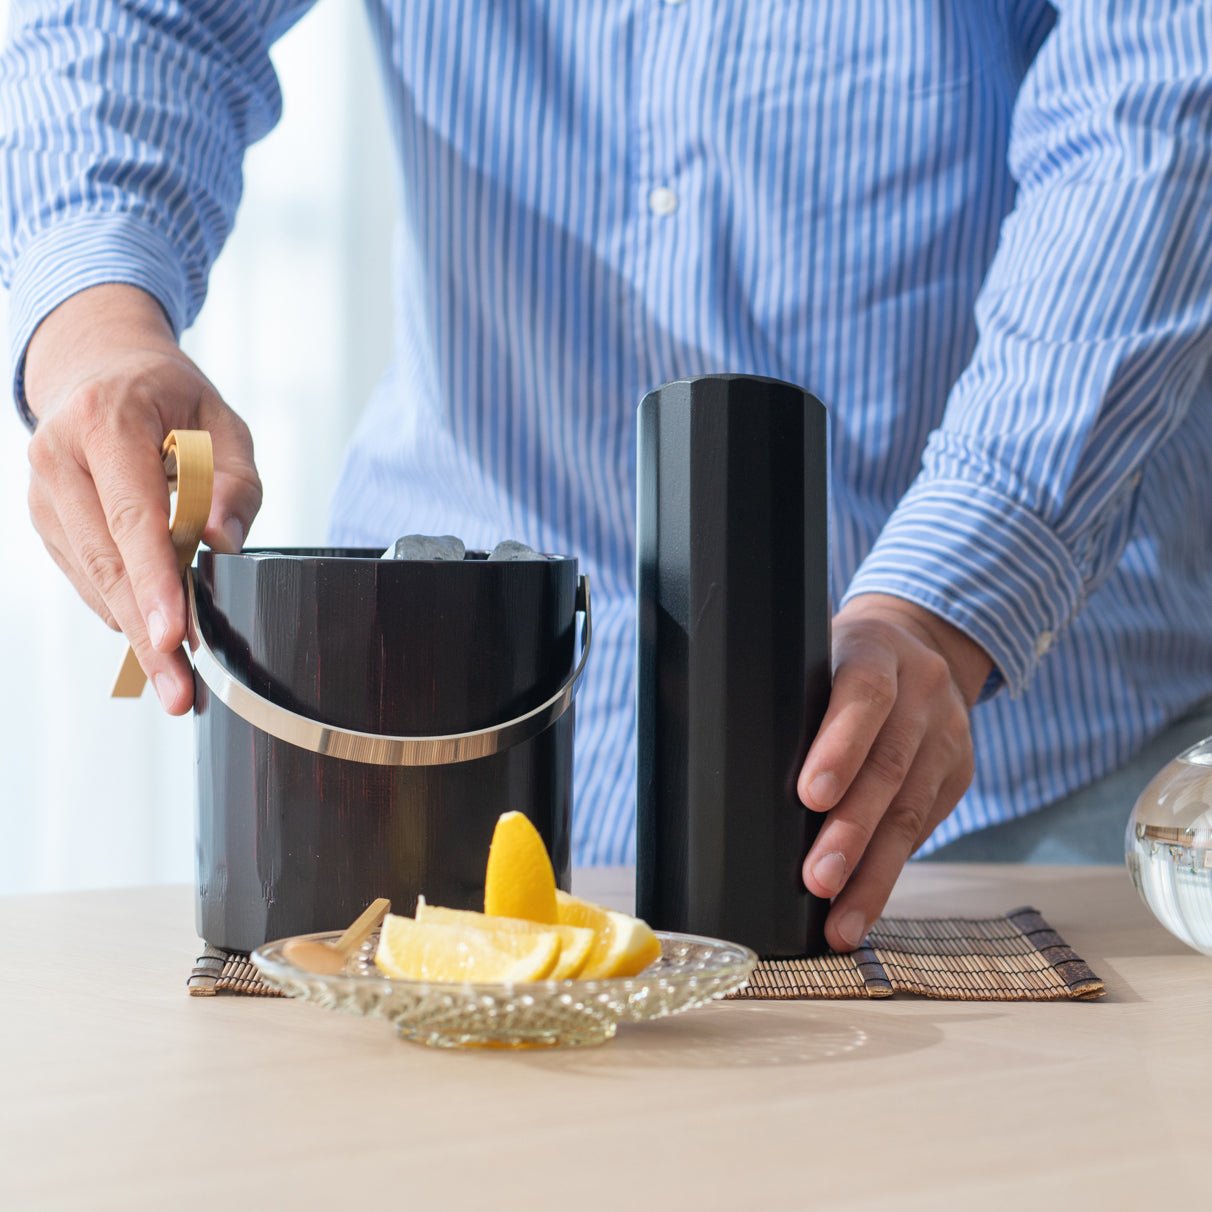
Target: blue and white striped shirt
(980, 232)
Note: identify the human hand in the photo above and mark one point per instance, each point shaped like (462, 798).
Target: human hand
(107, 382)
(893, 754)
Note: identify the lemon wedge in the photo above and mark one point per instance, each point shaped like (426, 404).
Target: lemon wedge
(519, 881)
(529, 930)
(440, 951)
(576, 942)
(624, 945)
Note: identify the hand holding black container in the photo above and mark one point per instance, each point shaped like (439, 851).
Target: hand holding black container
(734, 657)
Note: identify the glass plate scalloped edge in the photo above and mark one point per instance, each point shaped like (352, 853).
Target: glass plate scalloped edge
(691, 972)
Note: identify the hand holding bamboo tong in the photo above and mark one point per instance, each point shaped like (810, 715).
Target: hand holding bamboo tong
(189, 463)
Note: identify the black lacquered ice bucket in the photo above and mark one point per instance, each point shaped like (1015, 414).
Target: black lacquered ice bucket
(362, 723)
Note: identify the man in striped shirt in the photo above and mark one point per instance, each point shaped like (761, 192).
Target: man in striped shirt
(978, 232)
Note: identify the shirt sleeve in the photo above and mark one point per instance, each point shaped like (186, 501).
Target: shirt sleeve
(1095, 331)
(123, 125)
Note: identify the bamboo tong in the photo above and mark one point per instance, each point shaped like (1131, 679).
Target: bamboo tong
(189, 463)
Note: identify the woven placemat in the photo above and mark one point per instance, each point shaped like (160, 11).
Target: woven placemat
(218, 971)
(1015, 958)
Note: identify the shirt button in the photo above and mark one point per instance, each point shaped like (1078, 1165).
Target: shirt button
(1043, 642)
(662, 201)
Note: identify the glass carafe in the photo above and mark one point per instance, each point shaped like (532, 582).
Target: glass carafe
(1168, 846)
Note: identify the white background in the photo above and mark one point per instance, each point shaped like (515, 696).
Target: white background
(294, 333)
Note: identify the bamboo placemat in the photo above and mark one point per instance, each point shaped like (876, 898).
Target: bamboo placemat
(1015, 958)
(219, 971)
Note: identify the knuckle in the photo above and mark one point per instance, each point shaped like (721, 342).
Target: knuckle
(254, 489)
(877, 688)
(103, 568)
(935, 674)
(244, 467)
(903, 825)
(890, 759)
(242, 433)
(47, 453)
(87, 407)
(124, 517)
(43, 453)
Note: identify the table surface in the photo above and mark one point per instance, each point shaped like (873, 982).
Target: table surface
(120, 1091)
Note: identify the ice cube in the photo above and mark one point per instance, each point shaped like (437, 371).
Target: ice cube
(511, 549)
(426, 547)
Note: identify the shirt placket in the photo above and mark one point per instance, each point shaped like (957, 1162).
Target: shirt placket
(662, 194)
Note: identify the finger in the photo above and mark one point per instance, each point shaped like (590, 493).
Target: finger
(94, 551)
(949, 794)
(237, 491)
(171, 676)
(866, 893)
(884, 778)
(128, 473)
(46, 523)
(864, 692)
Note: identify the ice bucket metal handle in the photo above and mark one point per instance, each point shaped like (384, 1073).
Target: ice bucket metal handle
(373, 748)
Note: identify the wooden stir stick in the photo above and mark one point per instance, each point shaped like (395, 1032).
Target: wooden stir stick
(314, 955)
(189, 462)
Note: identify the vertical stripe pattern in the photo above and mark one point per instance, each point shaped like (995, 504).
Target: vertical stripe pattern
(979, 232)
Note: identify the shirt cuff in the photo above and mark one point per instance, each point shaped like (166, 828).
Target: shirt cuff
(985, 564)
(84, 251)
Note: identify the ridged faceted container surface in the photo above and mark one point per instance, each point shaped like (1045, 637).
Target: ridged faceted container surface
(1168, 846)
(734, 658)
(291, 842)
(691, 972)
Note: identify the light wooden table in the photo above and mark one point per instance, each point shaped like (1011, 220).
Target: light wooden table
(117, 1090)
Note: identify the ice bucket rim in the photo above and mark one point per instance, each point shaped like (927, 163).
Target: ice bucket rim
(377, 749)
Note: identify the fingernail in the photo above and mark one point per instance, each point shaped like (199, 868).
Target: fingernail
(823, 790)
(233, 532)
(830, 872)
(852, 927)
(156, 627)
(166, 689)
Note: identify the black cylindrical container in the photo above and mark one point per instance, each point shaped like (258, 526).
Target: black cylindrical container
(734, 659)
(293, 839)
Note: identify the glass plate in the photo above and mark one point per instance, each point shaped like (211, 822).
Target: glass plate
(691, 972)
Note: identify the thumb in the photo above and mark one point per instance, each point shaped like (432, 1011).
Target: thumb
(237, 491)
